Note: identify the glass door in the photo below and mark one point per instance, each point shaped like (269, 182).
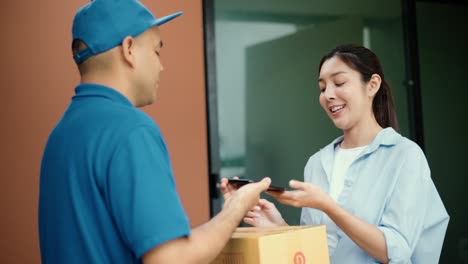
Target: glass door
(268, 118)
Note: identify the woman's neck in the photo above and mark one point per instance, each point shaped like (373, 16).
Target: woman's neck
(360, 135)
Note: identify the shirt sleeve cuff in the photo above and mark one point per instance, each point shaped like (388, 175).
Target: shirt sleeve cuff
(144, 246)
(398, 250)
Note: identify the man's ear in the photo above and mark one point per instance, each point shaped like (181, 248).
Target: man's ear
(373, 85)
(128, 51)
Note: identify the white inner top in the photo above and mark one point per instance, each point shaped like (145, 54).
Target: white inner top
(343, 159)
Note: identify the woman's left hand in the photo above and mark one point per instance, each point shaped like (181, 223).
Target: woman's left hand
(303, 195)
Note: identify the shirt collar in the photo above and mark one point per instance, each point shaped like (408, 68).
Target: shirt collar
(387, 137)
(97, 90)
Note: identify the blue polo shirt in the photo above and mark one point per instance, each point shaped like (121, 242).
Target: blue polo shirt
(107, 191)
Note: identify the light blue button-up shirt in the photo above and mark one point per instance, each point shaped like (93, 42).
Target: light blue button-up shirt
(389, 185)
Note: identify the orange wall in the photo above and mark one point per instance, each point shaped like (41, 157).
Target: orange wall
(37, 81)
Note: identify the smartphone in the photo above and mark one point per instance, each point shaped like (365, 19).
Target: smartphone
(237, 183)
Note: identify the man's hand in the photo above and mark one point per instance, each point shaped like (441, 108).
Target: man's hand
(226, 189)
(244, 198)
(207, 240)
(263, 213)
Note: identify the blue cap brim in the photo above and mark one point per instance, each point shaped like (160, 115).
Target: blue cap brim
(165, 19)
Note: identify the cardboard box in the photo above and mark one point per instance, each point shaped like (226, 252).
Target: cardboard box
(276, 245)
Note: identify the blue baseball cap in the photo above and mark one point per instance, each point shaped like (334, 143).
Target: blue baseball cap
(103, 24)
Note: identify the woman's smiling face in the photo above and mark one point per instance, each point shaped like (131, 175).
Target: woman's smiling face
(343, 94)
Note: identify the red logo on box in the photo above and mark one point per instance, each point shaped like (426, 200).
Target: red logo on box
(299, 258)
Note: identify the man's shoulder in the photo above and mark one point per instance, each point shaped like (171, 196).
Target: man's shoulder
(106, 120)
(125, 116)
(135, 115)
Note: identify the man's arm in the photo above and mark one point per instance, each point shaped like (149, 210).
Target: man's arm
(206, 241)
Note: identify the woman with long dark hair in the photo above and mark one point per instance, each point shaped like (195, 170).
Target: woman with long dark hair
(371, 187)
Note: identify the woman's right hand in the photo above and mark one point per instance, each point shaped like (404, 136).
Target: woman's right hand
(264, 214)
